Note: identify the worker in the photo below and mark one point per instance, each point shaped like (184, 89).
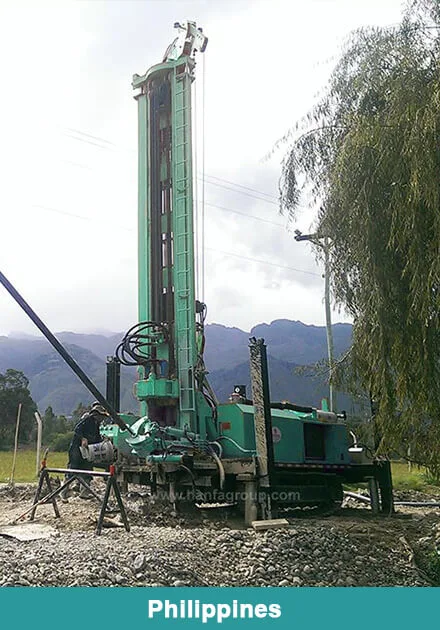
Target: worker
(86, 432)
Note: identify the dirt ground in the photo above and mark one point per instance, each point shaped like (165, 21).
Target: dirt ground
(212, 547)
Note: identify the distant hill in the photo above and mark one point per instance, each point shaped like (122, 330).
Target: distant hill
(52, 382)
(289, 344)
(301, 343)
(285, 383)
(225, 347)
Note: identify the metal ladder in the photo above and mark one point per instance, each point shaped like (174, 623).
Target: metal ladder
(184, 248)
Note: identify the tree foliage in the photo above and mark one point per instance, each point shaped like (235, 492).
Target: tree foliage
(55, 428)
(78, 412)
(49, 424)
(369, 154)
(14, 389)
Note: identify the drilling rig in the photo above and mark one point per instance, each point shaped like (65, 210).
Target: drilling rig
(265, 457)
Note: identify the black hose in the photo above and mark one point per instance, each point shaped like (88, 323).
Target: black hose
(137, 346)
(291, 407)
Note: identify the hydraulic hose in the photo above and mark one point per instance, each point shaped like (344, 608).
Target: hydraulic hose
(221, 470)
(240, 448)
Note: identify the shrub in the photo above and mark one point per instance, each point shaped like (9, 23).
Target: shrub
(60, 441)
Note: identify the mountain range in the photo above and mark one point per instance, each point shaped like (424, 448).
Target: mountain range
(290, 344)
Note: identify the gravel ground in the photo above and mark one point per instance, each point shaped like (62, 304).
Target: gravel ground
(164, 549)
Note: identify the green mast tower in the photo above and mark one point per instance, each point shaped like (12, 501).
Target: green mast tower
(167, 384)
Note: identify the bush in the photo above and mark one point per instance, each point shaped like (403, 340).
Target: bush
(61, 441)
(432, 477)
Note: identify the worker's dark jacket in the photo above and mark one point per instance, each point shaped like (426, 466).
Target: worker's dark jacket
(87, 427)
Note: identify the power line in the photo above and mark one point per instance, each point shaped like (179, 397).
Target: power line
(227, 181)
(77, 164)
(64, 212)
(207, 203)
(241, 192)
(79, 216)
(203, 181)
(263, 262)
(89, 135)
(243, 214)
(89, 139)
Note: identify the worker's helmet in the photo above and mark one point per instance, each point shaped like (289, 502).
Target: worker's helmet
(97, 408)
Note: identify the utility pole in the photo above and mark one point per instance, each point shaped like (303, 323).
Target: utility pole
(324, 244)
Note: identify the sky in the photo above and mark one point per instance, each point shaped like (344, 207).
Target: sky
(68, 124)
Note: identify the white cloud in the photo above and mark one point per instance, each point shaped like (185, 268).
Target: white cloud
(68, 237)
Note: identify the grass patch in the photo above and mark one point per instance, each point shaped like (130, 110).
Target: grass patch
(25, 468)
(416, 479)
(403, 479)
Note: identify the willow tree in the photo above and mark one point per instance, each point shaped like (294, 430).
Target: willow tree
(368, 153)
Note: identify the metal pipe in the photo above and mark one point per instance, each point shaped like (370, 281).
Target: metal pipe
(63, 352)
(359, 497)
(366, 499)
(167, 459)
(39, 436)
(353, 435)
(418, 503)
(77, 471)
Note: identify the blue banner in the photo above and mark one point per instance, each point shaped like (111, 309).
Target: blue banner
(150, 608)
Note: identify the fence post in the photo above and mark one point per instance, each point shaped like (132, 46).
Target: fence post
(17, 427)
(39, 435)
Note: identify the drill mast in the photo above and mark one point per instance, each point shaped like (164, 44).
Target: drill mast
(167, 302)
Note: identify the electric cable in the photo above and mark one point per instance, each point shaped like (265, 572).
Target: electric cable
(212, 249)
(203, 187)
(243, 192)
(254, 190)
(264, 262)
(231, 186)
(90, 136)
(196, 196)
(244, 214)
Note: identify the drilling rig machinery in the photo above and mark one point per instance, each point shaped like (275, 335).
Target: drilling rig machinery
(265, 455)
(261, 455)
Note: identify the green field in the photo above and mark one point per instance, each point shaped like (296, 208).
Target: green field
(25, 467)
(403, 479)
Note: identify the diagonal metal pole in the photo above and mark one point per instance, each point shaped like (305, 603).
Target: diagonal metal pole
(62, 351)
